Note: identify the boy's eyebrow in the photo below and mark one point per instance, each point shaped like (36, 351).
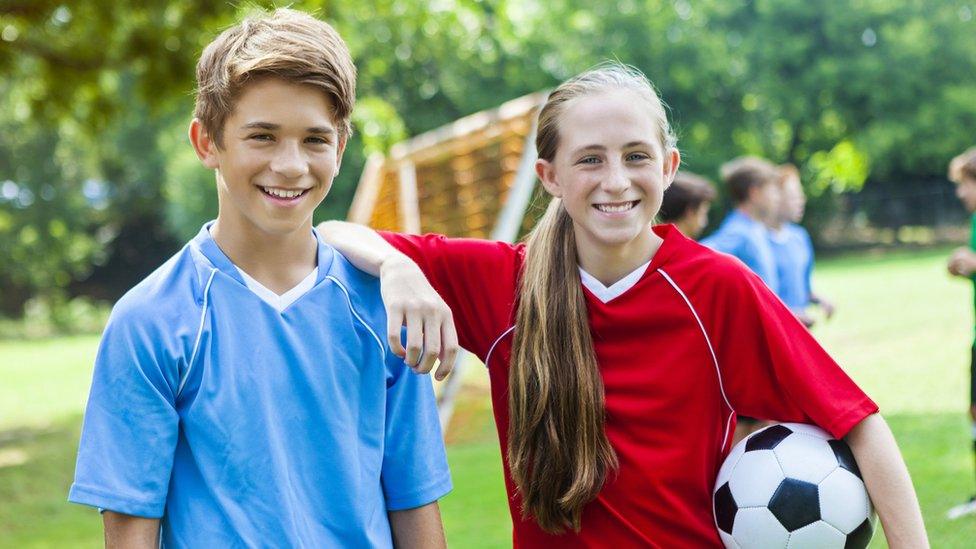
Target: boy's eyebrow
(320, 129)
(271, 127)
(260, 125)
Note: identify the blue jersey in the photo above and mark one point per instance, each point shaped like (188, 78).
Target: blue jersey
(747, 239)
(793, 251)
(240, 425)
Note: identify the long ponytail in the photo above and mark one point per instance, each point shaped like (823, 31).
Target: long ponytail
(558, 451)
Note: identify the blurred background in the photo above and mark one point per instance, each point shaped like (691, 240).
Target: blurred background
(869, 98)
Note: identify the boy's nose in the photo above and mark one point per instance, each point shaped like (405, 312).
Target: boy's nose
(289, 162)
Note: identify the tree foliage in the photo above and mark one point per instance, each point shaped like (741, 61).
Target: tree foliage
(96, 172)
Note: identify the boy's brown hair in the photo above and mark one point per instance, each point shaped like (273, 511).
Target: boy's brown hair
(744, 173)
(963, 166)
(286, 44)
(688, 191)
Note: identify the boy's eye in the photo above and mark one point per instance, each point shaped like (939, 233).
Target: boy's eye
(637, 157)
(317, 140)
(261, 137)
(588, 160)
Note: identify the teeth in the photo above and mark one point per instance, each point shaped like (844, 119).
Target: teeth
(282, 193)
(614, 208)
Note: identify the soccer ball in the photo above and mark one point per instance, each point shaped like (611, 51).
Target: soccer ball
(792, 485)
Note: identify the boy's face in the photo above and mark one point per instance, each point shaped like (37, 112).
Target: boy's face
(766, 200)
(966, 193)
(280, 153)
(793, 200)
(695, 220)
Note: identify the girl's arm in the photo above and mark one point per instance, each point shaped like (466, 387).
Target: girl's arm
(888, 482)
(409, 298)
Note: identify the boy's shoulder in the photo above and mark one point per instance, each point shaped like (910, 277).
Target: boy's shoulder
(170, 295)
(361, 288)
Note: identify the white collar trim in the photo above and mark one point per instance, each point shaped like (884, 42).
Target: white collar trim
(283, 301)
(616, 289)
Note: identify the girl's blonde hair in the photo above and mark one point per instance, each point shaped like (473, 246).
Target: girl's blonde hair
(558, 452)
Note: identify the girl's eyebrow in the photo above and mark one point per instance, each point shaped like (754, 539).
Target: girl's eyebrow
(591, 148)
(637, 144)
(596, 147)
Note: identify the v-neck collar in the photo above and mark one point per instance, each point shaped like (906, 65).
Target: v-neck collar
(204, 242)
(607, 293)
(671, 238)
(283, 301)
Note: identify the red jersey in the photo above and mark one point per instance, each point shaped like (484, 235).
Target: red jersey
(698, 339)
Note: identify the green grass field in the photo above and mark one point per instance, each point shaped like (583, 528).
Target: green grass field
(902, 330)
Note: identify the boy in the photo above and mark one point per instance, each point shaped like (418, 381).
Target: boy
(753, 185)
(793, 250)
(241, 394)
(962, 263)
(686, 203)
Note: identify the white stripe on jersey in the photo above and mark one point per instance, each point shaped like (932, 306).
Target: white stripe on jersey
(708, 341)
(196, 344)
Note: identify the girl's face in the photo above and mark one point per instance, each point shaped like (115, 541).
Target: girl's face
(610, 169)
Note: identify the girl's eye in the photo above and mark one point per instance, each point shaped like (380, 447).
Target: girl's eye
(589, 160)
(637, 157)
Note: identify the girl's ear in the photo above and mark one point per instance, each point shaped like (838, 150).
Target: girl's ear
(547, 175)
(204, 146)
(671, 167)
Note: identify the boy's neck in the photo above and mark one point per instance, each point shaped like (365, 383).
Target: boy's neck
(278, 261)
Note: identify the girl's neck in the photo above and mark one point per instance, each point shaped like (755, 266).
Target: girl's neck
(609, 264)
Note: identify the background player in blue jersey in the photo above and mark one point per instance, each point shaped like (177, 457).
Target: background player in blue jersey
(686, 203)
(242, 394)
(753, 186)
(793, 250)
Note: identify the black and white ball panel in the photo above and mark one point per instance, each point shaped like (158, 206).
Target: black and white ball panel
(792, 486)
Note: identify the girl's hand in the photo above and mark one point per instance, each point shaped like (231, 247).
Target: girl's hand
(412, 302)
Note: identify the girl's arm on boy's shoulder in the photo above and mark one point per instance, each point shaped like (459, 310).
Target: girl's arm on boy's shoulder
(888, 483)
(407, 295)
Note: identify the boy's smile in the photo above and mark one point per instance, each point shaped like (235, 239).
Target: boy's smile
(280, 153)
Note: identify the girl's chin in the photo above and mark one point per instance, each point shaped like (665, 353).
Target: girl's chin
(617, 237)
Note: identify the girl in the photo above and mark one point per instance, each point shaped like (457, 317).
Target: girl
(618, 354)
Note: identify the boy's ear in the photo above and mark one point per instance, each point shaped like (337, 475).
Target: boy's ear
(547, 175)
(339, 150)
(204, 146)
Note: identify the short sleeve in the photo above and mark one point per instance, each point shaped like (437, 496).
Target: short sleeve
(476, 278)
(129, 435)
(415, 468)
(772, 366)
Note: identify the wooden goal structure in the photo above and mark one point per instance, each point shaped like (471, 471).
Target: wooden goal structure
(472, 178)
